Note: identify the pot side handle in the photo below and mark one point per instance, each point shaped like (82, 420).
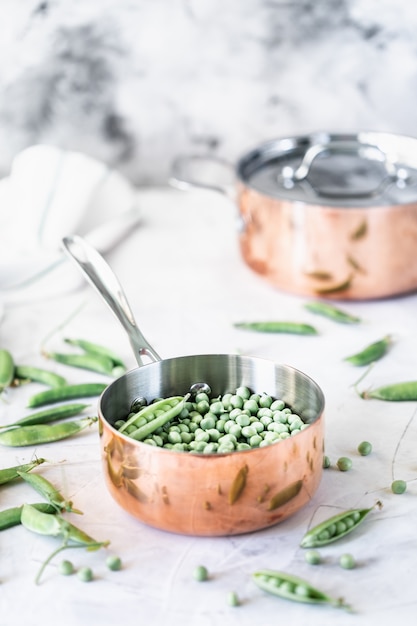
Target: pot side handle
(204, 172)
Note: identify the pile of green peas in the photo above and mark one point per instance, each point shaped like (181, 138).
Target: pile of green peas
(239, 420)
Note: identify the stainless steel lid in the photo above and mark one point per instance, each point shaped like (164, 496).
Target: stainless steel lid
(348, 170)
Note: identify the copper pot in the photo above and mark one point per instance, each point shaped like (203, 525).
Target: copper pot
(327, 215)
(202, 494)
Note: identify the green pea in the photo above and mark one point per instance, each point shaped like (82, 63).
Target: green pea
(326, 461)
(277, 405)
(365, 448)
(201, 573)
(344, 464)
(347, 561)
(398, 486)
(313, 557)
(66, 568)
(114, 562)
(85, 574)
(244, 392)
(233, 599)
(251, 406)
(265, 401)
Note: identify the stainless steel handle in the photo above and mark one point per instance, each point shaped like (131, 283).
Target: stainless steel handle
(206, 172)
(102, 277)
(369, 152)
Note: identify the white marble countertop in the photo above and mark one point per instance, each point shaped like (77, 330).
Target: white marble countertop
(187, 283)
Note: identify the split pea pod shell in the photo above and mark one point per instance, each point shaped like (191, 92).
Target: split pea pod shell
(293, 588)
(334, 528)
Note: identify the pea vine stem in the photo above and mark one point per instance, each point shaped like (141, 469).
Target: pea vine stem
(64, 546)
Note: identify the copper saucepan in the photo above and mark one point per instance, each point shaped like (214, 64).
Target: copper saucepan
(199, 494)
(323, 215)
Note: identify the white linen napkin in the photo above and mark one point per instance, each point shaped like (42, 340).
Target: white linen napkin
(51, 193)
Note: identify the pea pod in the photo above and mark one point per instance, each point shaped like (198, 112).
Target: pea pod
(94, 362)
(397, 392)
(6, 369)
(371, 353)
(331, 312)
(46, 489)
(169, 407)
(296, 328)
(12, 517)
(38, 375)
(95, 348)
(43, 433)
(335, 527)
(48, 415)
(293, 588)
(54, 525)
(66, 392)
(11, 473)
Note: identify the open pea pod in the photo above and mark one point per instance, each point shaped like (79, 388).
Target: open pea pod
(293, 588)
(335, 527)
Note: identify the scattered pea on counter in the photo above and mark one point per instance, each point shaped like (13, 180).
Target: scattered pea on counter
(201, 573)
(365, 448)
(347, 561)
(344, 463)
(399, 486)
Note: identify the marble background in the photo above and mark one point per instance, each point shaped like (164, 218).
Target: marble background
(136, 83)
